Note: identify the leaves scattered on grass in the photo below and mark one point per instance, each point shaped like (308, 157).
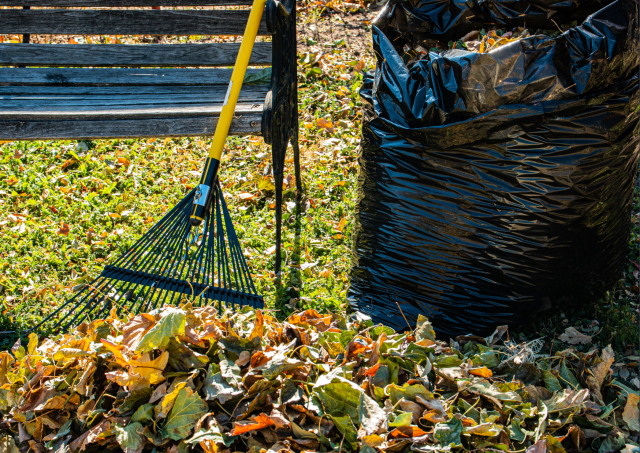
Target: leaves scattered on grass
(178, 379)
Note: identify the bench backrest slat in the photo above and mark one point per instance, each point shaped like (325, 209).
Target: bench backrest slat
(148, 55)
(115, 76)
(125, 22)
(122, 3)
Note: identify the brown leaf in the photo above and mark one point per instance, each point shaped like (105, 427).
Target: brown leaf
(375, 354)
(631, 415)
(90, 436)
(134, 330)
(244, 359)
(601, 369)
(85, 409)
(539, 393)
(211, 331)
(577, 437)
(325, 124)
(311, 317)
(572, 336)
(538, 447)
(158, 393)
(415, 409)
(64, 229)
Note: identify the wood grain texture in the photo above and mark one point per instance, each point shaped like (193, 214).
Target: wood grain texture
(125, 22)
(122, 3)
(28, 129)
(117, 108)
(145, 55)
(115, 76)
(215, 92)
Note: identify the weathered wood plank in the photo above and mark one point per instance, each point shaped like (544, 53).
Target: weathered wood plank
(122, 3)
(124, 104)
(61, 111)
(215, 92)
(144, 55)
(115, 76)
(26, 129)
(125, 22)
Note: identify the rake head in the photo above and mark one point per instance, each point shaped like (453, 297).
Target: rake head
(172, 264)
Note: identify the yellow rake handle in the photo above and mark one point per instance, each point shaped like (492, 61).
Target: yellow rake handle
(204, 191)
(237, 77)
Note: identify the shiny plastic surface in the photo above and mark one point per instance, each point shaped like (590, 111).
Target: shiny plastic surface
(496, 185)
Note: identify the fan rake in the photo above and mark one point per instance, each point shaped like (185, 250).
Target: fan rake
(173, 263)
(191, 255)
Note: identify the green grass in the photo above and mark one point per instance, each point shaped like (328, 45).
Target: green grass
(68, 208)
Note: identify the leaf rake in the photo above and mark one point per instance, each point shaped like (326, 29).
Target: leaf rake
(192, 255)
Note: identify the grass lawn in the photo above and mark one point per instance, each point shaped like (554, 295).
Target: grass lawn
(68, 208)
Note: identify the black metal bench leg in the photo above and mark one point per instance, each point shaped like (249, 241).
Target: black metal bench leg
(296, 162)
(280, 114)
(278, 180)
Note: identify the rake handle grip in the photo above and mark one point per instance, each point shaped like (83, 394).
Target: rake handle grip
(204, 192)
(205, 189)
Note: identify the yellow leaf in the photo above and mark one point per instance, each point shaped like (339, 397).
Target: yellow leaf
(114, 215)
(482, 372)
(122, 378)
(12, 180)
(266, 185)
(124, 161)
(150, 370)
(163, 408)
(115, 350)
(258, 328)
(326, 273)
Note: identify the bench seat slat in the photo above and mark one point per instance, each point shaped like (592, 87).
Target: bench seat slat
(145, 55)
(125, 22)
(122, 3)
(115, 76)
(249, 123)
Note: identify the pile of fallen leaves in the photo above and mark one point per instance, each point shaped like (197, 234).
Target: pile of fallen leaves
(178, 379)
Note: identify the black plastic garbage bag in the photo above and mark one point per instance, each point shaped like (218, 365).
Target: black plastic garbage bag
(496, 185)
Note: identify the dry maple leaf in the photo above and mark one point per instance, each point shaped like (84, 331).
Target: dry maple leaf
(572, 336)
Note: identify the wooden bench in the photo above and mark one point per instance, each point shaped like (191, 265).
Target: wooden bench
(101, 91)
